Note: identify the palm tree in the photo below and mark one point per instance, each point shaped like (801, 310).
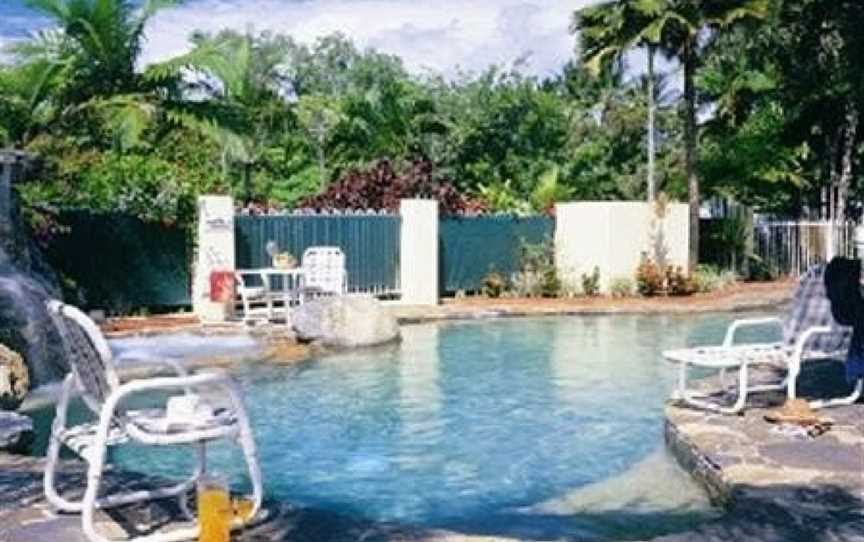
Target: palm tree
(606, 32)
(84, 77)
(678, 27)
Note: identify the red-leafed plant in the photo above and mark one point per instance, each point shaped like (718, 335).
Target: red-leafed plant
(381, 187)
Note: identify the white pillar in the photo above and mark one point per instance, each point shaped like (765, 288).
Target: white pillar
(215, 252)
(418, 268)
(859, 241)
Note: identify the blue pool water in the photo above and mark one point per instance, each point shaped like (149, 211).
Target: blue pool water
(536, 428)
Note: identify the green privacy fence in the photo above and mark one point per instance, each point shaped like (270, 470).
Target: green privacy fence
(118, 262)
(471, 247)
(370, 244)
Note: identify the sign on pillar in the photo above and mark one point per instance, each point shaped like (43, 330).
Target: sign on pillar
(212, 296)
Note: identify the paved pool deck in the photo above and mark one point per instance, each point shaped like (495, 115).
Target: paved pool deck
(798, 487)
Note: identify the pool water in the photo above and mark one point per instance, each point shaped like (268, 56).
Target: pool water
(532, 428)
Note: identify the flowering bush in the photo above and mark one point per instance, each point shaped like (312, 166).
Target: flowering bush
(382, 187)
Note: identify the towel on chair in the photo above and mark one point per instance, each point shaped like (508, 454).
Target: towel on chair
(843, 286)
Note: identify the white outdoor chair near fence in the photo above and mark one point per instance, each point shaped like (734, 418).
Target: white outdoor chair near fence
(187, 419)
(256, 297)
(274, 292)
(324, 272)
(809, 333)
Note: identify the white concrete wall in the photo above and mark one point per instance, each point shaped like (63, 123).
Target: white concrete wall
(418, 267)
(215, 252)
(614, 235)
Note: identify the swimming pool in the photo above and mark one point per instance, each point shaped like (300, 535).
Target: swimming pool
(527, 428)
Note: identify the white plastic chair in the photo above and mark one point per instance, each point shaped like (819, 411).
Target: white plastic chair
(324, 272)
(809, 333)
(94, 376)
(251, 295)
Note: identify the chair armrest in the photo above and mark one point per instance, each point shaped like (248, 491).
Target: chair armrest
(729, 340)
(805, 337)
(141, 385)
(133, 371)
(109, 407)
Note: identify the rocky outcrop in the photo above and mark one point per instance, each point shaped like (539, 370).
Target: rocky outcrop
(16, 432)
(345, 322)
(14, 379)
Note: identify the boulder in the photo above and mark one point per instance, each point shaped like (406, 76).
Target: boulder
(345, 322)
(16, 432)
(14, 379)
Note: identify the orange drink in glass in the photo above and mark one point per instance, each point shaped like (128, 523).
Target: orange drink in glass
(214, 509)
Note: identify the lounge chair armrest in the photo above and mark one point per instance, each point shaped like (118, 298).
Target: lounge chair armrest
(729, 340)
(186, 383)
(133, 371)
(805, 337)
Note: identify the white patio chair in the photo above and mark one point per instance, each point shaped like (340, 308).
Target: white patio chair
(809, 333)
(323, 272)
(254, 295)
(94, 376)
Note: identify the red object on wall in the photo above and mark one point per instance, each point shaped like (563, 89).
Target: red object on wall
(221, 286)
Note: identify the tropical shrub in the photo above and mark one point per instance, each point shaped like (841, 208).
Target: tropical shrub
(677, 281)
(591, 283)
(494, 284)
(621, 287)
(538, 274)
(649, 278)
(708, 278)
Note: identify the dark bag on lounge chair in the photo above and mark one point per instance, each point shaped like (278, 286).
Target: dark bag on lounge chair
(843, 286)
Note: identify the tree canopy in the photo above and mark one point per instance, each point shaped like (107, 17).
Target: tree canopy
(769, 113)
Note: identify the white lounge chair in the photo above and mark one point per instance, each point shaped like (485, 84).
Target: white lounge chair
(809, 333)
(94, 376)
(324, 272)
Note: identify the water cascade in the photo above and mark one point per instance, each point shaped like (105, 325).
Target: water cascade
(26, 282)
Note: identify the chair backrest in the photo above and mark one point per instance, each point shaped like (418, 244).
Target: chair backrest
(811, 307)
(324, 269)
(89, 354)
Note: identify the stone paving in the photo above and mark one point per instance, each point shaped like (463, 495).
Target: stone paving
(775, 477)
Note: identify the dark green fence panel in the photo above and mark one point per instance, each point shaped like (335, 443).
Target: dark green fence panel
(118, 262)
(472, 247)
(370, 244)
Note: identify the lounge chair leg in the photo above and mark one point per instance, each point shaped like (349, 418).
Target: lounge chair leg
(742, 392)
(681, 392)
(200, 469)
(91, 494)
(250, 454)
(842, 401)
(54, 446)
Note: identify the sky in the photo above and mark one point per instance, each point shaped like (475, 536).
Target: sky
(440, 36)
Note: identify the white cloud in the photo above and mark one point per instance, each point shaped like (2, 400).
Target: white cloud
(438, 35)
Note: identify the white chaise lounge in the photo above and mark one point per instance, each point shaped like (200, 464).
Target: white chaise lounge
(94, 376)
(809, 333)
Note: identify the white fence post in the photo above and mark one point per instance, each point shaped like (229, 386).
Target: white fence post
(215, 252)
(418, 267)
